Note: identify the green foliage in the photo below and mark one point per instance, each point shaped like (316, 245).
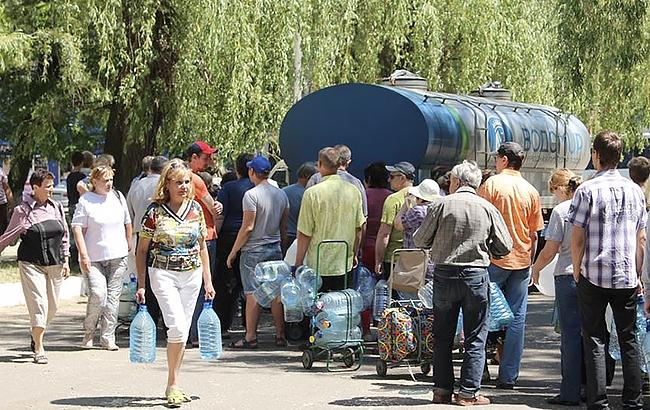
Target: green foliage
(161, 73)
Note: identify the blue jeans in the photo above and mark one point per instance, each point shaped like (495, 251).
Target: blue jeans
(457, 287)
(250, 258)
(212, 256)
(514, 284)
(571, 338)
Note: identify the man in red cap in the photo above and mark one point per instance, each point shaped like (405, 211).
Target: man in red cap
(199, 158)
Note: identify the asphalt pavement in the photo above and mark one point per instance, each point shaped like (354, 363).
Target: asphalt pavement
(267, 378)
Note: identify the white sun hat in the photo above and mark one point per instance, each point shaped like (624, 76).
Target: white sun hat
(428, 190)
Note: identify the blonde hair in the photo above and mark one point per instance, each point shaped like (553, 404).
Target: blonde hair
(104, 160)
(565, 180)
(174, 169)
(99, 172)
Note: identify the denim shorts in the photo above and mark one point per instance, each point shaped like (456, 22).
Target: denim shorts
(251, 257)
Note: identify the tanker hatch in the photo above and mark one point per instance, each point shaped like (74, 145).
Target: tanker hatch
(493, 90)
(405, 79)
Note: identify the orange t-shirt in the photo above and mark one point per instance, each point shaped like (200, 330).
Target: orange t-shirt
(200, 191)
(520, 205)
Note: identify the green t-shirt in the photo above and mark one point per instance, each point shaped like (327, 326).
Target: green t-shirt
(331, 210)
(392, 205)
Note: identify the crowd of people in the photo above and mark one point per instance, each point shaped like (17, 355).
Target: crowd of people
(188, 242)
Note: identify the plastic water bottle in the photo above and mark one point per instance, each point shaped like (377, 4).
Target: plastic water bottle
(641, 330)
(614, 348)
(308, 302)
(290, 296)
(142, 337)
(308, 279)
(365, 285)
(499, 315)
(133, 288)
(347, 301)
(326, 336)
(209, 333)
(425, 294)
(645, 348)
(327, 320)
(381, 299)
(266, 293)
(271, 271)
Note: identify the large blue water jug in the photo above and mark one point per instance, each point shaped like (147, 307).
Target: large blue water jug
(266, 293)
(380, 300)
(290, 296)
(328, 320)
(209, 333)
(271, 271)
(347, 301)
(142, 337)
(323, 337)
(614, 348)
(641, 331)
(500, 315)
(365, 282)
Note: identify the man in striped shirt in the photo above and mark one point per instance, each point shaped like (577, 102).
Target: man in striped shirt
(609, 219)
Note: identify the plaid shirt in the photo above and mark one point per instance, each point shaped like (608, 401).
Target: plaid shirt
(464, 229)
(611, 210)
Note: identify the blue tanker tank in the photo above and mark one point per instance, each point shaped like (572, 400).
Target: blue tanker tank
(433, 131)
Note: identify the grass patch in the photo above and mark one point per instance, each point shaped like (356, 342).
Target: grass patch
(9, 271)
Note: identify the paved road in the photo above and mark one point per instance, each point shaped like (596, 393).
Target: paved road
(267, 378)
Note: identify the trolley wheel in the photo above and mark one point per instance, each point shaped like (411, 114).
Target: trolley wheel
(382, 368)
(307, 359)
(348, 357)
(426, 368)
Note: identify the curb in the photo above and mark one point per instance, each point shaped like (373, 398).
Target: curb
(11, 294)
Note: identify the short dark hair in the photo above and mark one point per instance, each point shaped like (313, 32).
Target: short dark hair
(88, 160)
(639, 169)
(76, 158)
(609, 147)
(158, 163)
(39, 175)
(240, 164)
(376, 175)
(306, 170)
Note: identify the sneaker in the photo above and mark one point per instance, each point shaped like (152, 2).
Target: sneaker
(87, 342)
(477, 400)
(110, 346)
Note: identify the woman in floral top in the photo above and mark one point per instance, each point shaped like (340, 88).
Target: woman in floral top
(173, 234)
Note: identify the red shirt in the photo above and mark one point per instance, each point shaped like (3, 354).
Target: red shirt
(200, 191)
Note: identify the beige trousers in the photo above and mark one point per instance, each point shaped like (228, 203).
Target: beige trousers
(41, 285)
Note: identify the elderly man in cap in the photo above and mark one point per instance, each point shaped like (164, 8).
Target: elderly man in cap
(401, 177)
(520, 205)
(199, 158)
(263, 229)
(463, 232)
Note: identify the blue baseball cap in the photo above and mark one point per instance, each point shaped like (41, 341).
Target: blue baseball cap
(259, 164)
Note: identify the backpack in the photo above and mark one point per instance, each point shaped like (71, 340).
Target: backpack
(396, 335)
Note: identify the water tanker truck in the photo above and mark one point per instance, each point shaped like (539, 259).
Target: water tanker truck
(400, 120)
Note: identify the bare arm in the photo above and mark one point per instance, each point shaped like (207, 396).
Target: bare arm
(129, 235)
(84, 260)
(533, 246)
(578, 238)
(247, 226)
(357, 242)
(141, 266)
(283, 230)
(207, 275)
(8, 192)
(545, 257)
(215, 207)
(383, 236)
(302, 246)
(640, 251)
